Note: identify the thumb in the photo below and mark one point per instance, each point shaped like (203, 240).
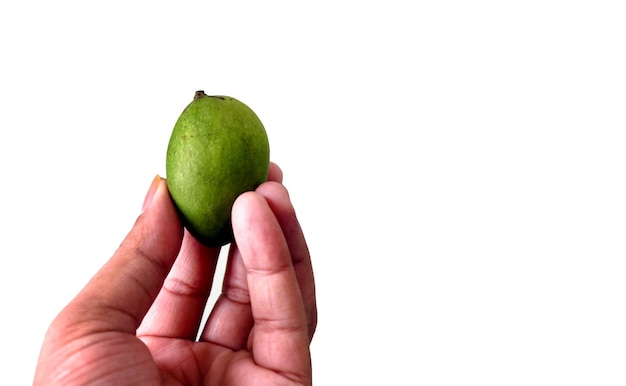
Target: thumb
(119, 295)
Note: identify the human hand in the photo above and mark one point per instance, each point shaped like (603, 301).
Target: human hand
(138, 319)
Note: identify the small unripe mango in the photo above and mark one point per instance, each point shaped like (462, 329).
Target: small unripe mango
(218, 150)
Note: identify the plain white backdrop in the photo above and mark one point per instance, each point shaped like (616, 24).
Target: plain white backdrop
(459, 169)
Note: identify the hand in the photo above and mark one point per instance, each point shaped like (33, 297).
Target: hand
(138, 319)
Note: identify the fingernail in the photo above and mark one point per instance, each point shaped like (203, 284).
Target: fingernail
(150, 195)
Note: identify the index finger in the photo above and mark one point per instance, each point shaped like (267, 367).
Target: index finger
(280, 341)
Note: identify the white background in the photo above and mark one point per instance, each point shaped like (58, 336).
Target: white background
(458, 168)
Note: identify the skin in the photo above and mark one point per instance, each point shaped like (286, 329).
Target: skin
(138, 320)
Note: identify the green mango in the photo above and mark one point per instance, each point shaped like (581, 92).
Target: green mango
(218, 150)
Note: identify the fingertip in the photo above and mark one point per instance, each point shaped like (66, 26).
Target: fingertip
(245, 204)
(274, 192)
(159, 216)
(275, 173)
(151, 192)
(253, 220)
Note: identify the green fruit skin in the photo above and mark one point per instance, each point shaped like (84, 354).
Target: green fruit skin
(218, 150)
